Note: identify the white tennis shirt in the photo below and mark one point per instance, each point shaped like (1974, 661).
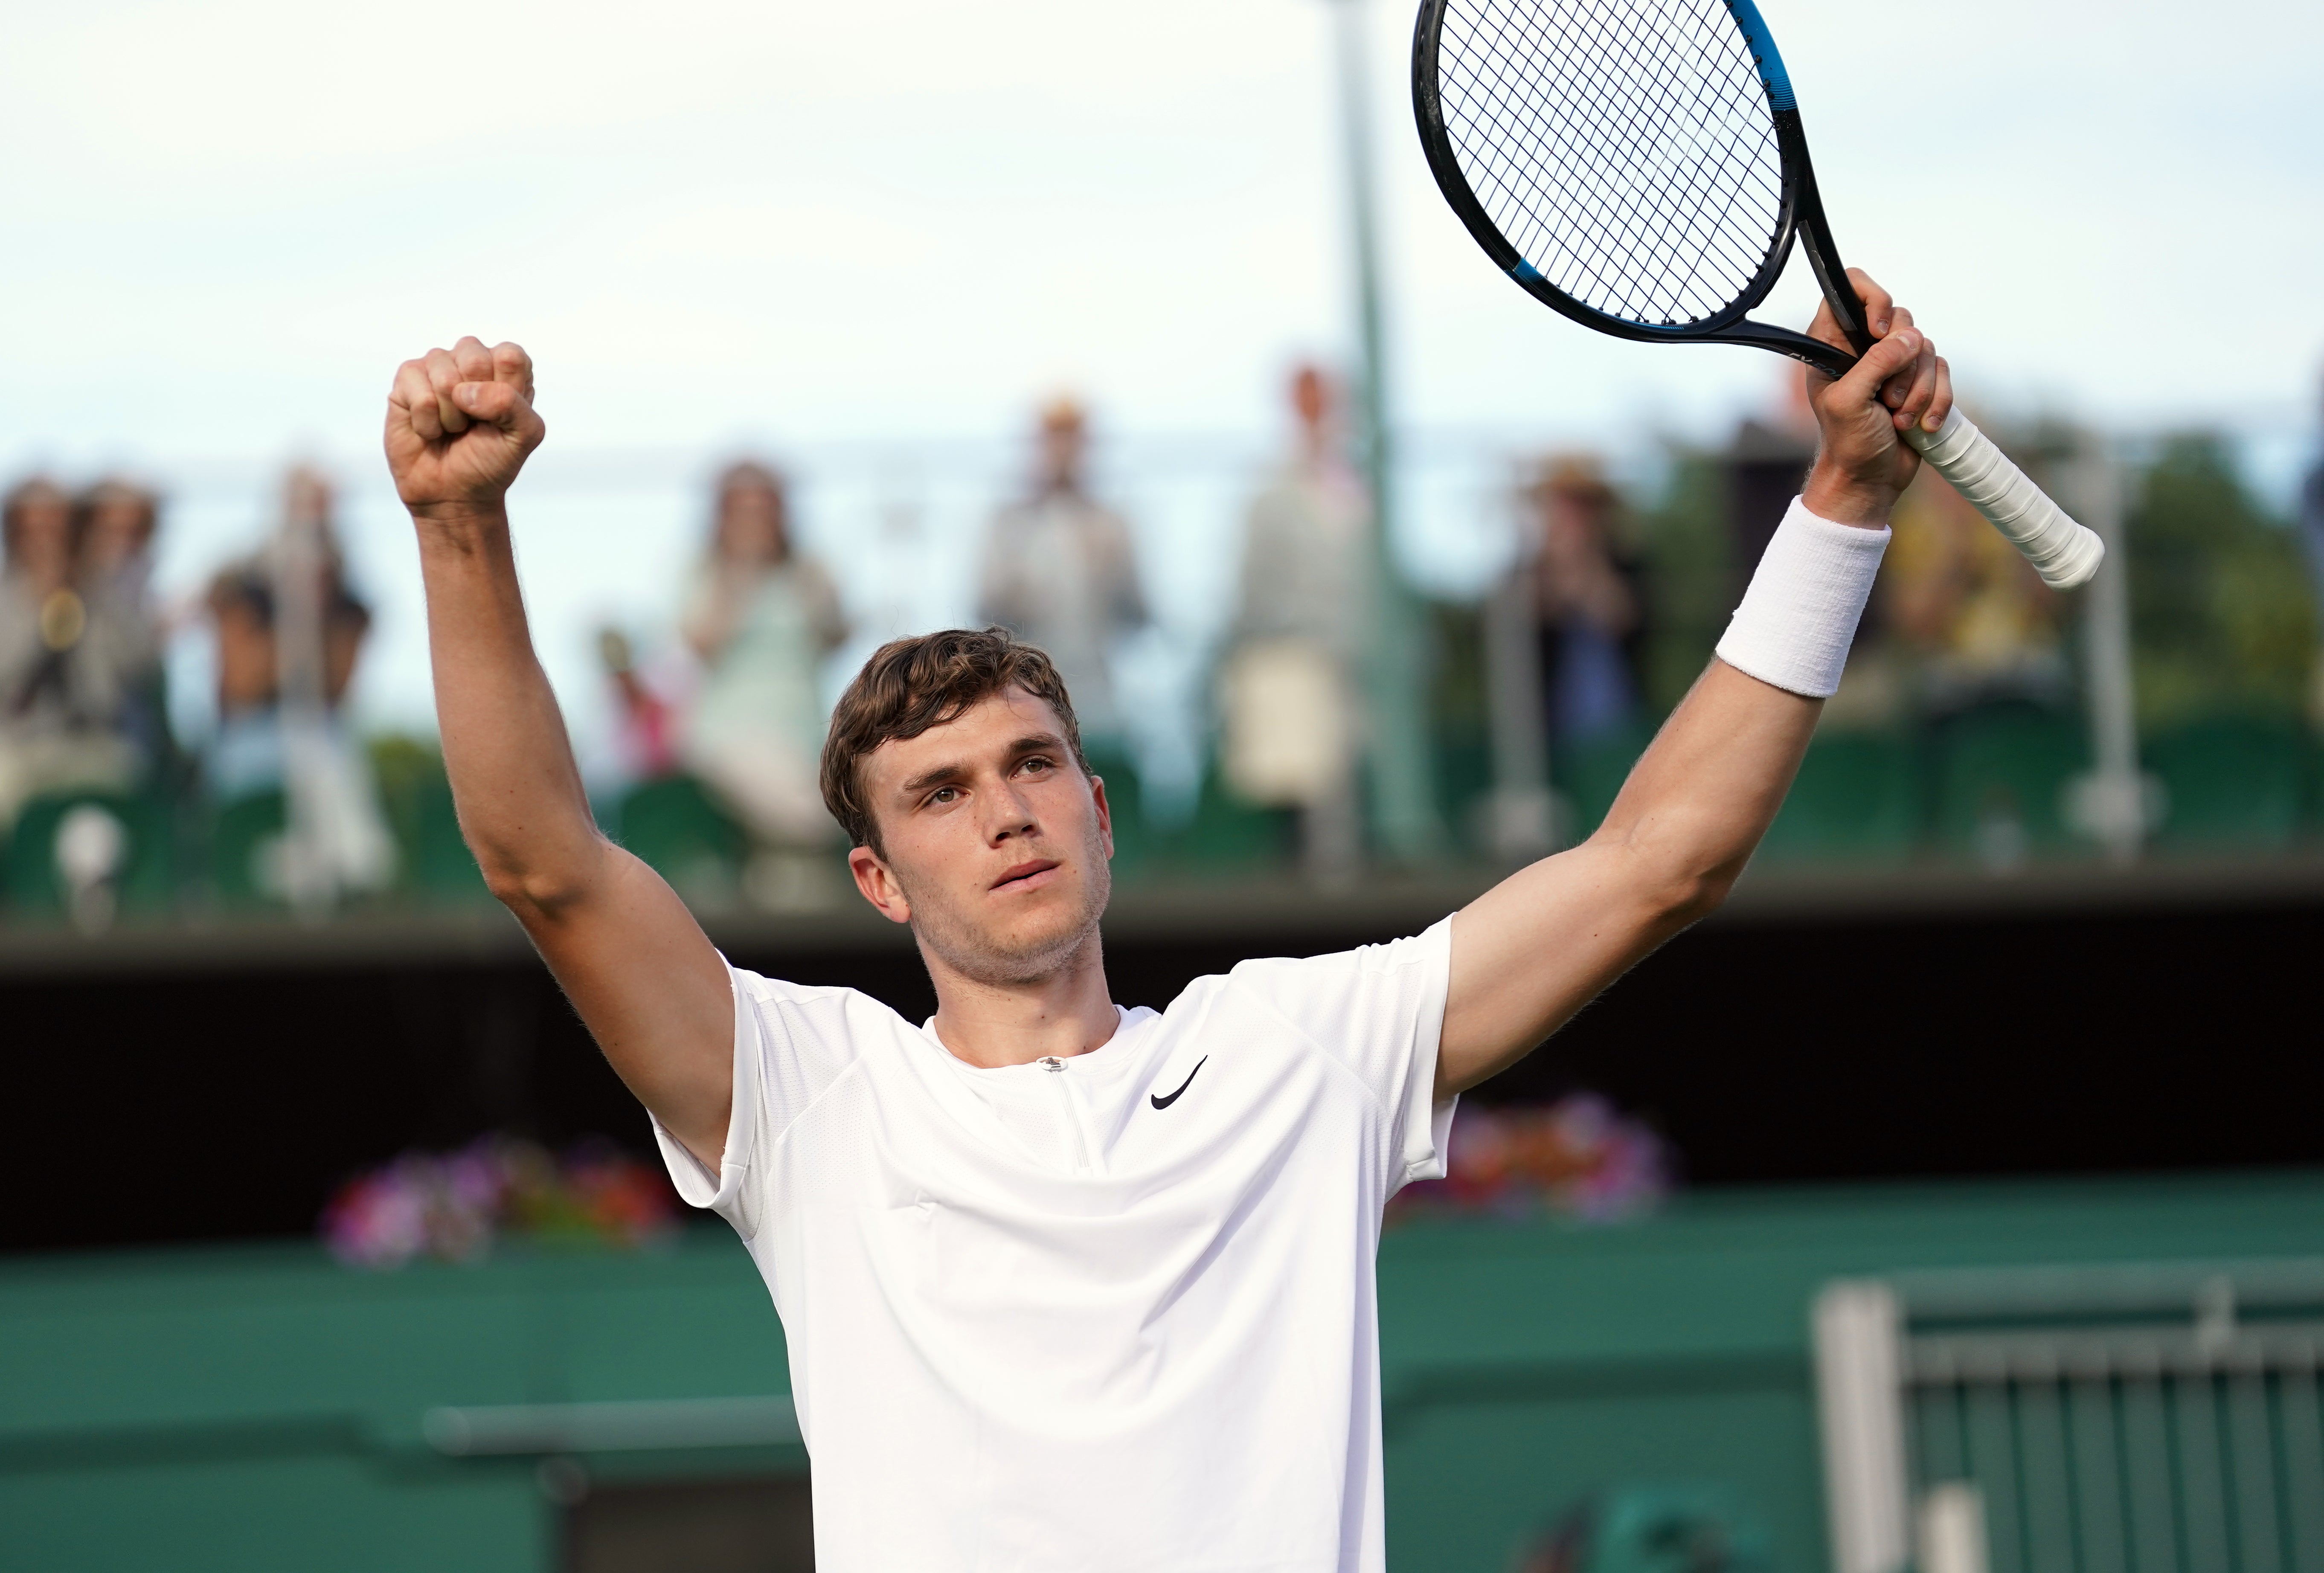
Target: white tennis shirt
(1106, 1314)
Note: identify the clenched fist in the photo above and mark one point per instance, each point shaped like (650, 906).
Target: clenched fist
(460, 424)
(1862, 464)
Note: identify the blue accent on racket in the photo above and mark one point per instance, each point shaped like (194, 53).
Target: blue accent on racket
(1763, 51)
(1524, 273)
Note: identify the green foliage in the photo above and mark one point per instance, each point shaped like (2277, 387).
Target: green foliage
(409, 771)
(417, 798)
(404, 767)
(2223, 618)
(1457, 701)
(1459, 711)
(1688, 573)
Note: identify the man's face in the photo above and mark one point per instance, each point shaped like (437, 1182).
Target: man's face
(1064, 442)
(996, 843)
(750, 526)
(306, 497)
(119, 528)
(41, 544)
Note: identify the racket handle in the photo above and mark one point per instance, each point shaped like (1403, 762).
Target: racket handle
(2065, 554)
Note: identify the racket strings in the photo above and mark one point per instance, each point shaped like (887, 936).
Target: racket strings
(1613, 212)
(1625, 147)
(1703, 185)
(1605, 77)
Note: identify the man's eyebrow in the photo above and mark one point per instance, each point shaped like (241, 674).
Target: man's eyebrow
(954, 771)
(1038, 742)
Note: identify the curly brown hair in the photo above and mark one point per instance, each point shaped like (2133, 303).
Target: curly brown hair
(911, 685)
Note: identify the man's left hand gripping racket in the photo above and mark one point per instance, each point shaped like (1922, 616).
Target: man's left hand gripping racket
(1640, 166)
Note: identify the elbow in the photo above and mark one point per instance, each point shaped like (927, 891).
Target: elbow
(1683, 895)
(1677, 876)
(537, 892)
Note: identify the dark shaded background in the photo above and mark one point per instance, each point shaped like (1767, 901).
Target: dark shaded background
(228, 1104)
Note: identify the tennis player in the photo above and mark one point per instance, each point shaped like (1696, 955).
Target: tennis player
(1071, 1287)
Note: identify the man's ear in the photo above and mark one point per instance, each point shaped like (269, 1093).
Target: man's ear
(879, 885)
(1104, 813)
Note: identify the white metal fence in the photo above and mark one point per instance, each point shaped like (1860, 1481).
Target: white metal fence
(2123, 1420)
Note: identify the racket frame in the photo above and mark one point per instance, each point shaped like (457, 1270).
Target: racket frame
(2062, 551)
(1799, 215)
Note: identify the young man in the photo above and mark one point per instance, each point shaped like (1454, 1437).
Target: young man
(1066, 1286)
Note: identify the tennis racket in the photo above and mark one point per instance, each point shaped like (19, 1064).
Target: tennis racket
(1640, 166)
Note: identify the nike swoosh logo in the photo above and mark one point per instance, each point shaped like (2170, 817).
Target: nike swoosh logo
(1161, 1102)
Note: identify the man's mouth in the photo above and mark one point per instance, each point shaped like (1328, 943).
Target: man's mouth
(1025, 875)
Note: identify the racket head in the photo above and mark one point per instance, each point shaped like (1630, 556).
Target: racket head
(1635, 164)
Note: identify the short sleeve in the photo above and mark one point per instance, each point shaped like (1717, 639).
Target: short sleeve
(791, 1043)
(1380, 1010)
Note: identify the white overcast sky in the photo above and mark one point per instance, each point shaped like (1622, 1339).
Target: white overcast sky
(222, 225)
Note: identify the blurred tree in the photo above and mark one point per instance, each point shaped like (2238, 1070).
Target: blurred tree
(2222, 618)
(405, 767)
(1685, 542)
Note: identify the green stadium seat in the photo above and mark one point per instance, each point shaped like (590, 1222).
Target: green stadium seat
(1464, 787)
(146, 879)
(1856, 798)
(1590, 774)
(1134, 843)
(675, 826)
(438, 866)
(240, 830)
(2232, 781)
(1228, 835)
(2000, 775)
(433, 864)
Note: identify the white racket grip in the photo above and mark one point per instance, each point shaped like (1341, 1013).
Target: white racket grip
(2062, 552)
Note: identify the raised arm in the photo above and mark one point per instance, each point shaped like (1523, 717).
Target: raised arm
(1540, 945)
(629, 955)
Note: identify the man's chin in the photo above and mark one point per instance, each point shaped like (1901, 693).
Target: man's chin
(1028, 946)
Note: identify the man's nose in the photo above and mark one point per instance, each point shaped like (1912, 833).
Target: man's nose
(1008, 813)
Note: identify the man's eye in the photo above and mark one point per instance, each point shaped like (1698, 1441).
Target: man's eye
(1039, 763)
(944, 795)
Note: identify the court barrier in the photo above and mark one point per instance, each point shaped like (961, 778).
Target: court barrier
(2123, 1419)
(262, 1409)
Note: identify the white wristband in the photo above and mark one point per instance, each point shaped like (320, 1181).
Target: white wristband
(1799, 614)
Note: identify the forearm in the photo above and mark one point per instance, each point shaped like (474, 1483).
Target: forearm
(1698, 801)
(522, 805)
(1536, 949)
(1540, 945)
(629, 954)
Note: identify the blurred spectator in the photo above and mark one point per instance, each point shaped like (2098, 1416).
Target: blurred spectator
(2311, 537)
(1060, 571)
(78, 653)
(1587, 597)
(290, 632)
(648, 735)
(117, 545)
(256, 652)
(121, 520)
(1977, 617)
(1766, 465)
(760, 618)
(1290, 687)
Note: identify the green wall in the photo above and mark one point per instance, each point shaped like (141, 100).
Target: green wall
(259, 1408)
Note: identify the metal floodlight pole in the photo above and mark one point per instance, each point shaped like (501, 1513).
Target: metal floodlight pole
(1404, 810)
(2113, 804)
